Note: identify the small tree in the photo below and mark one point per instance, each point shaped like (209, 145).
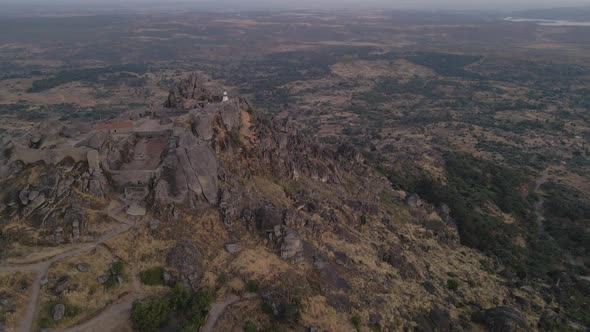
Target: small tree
(150, 314)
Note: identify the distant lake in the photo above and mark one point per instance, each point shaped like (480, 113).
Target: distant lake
(557, 23)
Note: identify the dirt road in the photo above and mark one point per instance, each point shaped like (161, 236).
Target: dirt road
(25, 324)
(218, 308)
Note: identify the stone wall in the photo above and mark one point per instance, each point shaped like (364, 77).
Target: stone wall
(126, 178)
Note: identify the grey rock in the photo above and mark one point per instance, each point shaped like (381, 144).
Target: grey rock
(64, 185)
(441, 319)
(247, 215)
(319, 263)
(33, 194)
(294, 219)
(505, 319)
(102, 279)
(136, 210)
(97, 184)
(396, 258)
(37, 202)
(429, 287)
(70, 132)
(201, 166)
(61, 285)
(277, 230)
(230, 204)
(190, 176)
(154, 224)
(24, 196)
(96, 141)
(35, 137)
(75, 216)
(203, 125)
(292, 246)
(230, 114)
(232, 248)
(414, 200)
(267, 217)
(59, 311)
(167, 278)
(83, 267)
(185, 262)
(193, 92)
(349, 153)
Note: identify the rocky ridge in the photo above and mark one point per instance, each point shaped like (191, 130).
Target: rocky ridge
(340, 237)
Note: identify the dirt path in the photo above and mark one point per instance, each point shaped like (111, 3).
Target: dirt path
(218, 308)
(113, 318)
(40, 268)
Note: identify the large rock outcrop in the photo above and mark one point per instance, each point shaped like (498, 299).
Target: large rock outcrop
(192, 92)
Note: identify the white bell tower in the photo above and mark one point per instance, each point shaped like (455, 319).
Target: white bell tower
(225, 98)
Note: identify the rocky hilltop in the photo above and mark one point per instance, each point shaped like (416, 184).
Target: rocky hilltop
(294, 235)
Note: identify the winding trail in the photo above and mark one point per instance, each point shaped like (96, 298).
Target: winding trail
(25, 324)
(218, 308)
(112, 318)
(115, 315)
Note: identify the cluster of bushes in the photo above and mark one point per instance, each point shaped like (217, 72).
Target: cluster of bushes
(87, 75)
(180, 310)
(153, 276)
(471, 184)
(567, 213)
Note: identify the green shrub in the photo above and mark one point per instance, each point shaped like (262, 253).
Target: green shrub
(252, 286)
(183, 308)
(153, 276)
(116, 271)
(151, 314)
(190, 307)
(222, 278)
(376, 327)
(356, 322)
(117, 268)
(452, 284)
(250, 327)
(478, 317)
(180, 297)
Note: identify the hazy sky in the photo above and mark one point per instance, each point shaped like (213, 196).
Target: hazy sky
(256, 4)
